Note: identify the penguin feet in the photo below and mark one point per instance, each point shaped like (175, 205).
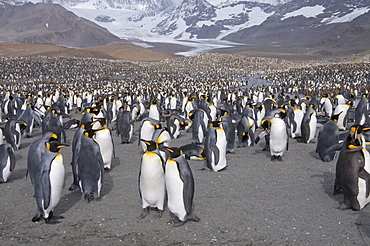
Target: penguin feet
(36, 218)
(159, 215)
(73, 187)
(107, 169)
(176, 222)
(56, 217)
(266, 148)
(51, 221)
(144, 213)
(231, 151)
(194, 218)
(276, 157)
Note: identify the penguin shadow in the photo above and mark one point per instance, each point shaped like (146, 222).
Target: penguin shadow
(363, 223)
(26, 145)
(116, 162)
(314, 154)
(108, 184)
(328, 186)
(67, 202)
(260, 150)
(17, 174)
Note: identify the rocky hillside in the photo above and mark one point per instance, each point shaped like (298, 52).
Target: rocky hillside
(49, 23)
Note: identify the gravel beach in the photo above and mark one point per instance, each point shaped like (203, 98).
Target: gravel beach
(253, 202)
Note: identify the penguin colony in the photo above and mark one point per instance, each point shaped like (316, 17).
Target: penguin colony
(218, 109)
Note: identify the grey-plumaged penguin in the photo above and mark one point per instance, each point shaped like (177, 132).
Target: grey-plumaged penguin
(215, 147)
(90, 166)
(48, 178)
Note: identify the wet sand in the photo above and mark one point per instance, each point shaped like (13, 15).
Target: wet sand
(253, 202)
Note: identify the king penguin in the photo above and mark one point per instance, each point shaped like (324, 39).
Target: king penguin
(7, 161)
(13, 132)
(76, 146)
(124, 125)
(48, 181)
(180, 188)
(328, 136)
(104, 138)
(90, 166)
(152, 180)
(147, 128)
(199, 125)
(229, 129)
(353, 170)
(308, 126)
(215, 147)
(278, 140)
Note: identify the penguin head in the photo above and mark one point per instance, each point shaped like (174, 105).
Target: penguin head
(174, 152)
(90, 132)
(266, 124)
(102, 121)
(156, 126)
(183, 125)
(224, 112)
(216, 123)
(335, 117)
(355, 138)
(54, 146)
(53, 137)
(54, 111)
(150, 145)
(191, 115)
(95, 111)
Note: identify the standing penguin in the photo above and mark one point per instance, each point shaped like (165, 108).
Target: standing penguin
(229, 129)
(147, 128)
(29, 117)
(278, 140)
(342, 110)
(326, 106)
(7, 161)
(124, 125)
(175, 123)
(13, 132)
(199, 125)
(180, 188)
(104, 138)
(51, 123)
(154, 111)
(353, 170)
(260, 112)
(48, 181)
(152, 180)
(246, 128)
(328, 136)
(76, 146)
(362, 112)
(215, 147)
(308, 126)
(90, 166)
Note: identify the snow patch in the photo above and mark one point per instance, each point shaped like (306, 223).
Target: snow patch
(348, 17)
(310, 11)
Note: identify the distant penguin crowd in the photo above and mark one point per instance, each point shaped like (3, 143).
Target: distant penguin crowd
(326, 106)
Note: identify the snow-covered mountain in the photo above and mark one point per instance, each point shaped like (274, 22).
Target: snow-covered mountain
(217, 22)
